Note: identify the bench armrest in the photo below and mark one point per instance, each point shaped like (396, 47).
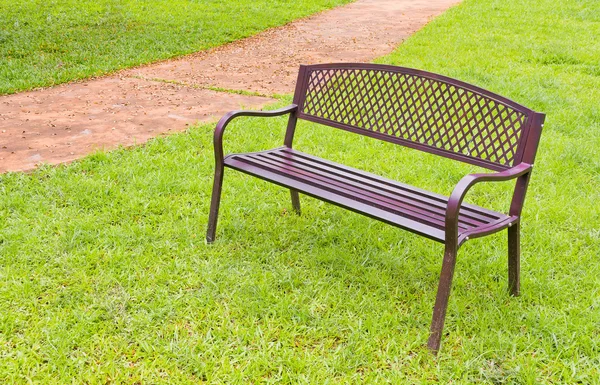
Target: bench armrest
(463, 186)
(224, 121)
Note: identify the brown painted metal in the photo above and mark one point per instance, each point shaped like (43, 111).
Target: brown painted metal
(416, 109)
(514, 259)
(441, 299)
(219, 165)
(398, 204)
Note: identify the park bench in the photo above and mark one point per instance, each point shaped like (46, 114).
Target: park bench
(415, 109)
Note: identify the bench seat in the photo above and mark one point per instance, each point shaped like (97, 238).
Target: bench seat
(395, 203)
(411, 108)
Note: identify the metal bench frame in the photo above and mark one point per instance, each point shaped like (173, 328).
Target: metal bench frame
(416, 109)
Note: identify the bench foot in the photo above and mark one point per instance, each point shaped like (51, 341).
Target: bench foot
(514, 259)
(441, 301)
(214, 205)
(295, 201)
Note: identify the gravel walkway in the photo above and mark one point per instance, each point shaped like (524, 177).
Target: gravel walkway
(67, 122)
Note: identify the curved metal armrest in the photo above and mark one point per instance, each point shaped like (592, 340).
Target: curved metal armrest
(224, 121)
(463, 186)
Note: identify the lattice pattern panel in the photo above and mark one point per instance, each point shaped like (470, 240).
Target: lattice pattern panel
(422, 110)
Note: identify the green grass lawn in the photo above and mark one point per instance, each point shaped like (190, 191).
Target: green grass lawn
(105, 276)
(43, 43)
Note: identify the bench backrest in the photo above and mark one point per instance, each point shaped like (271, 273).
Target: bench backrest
(421, 110)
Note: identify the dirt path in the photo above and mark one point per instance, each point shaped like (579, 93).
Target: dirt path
(64, 123)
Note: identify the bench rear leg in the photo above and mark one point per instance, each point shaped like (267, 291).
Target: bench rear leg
(514, 259)
(441, 300)
(295, 201)
(214, 206)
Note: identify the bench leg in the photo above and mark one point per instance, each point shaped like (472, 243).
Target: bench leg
(441, 301)
(214, 206)
(514, 259)
(295, 201)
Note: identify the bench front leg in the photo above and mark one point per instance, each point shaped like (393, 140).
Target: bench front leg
(514, 259)
(214, 204)
(451, 224)
(219, 156)
(441, 300)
